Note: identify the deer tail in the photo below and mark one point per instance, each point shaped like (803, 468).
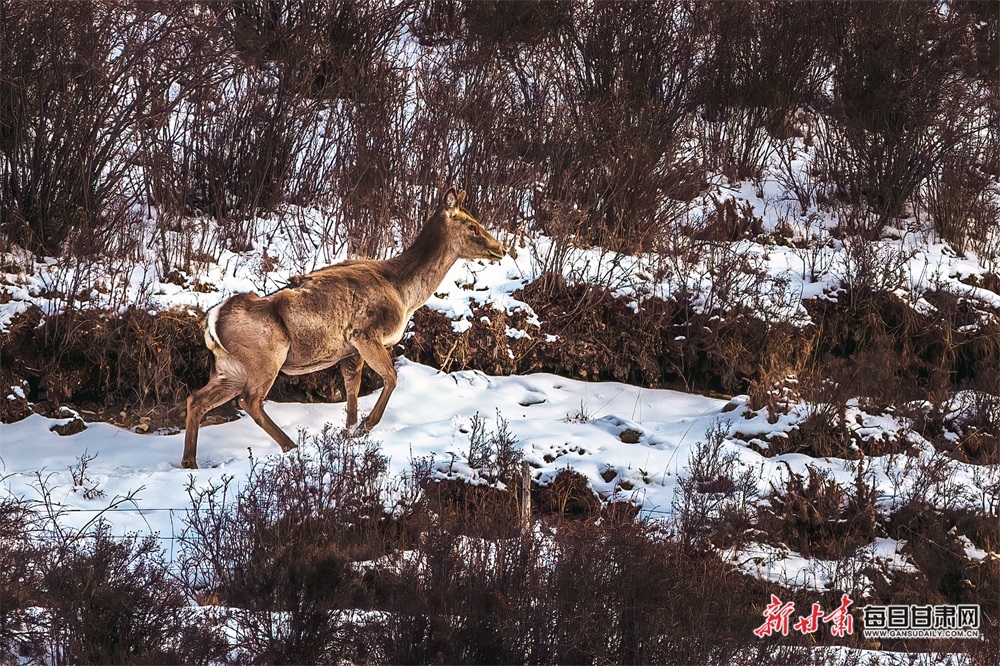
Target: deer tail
(212, 340)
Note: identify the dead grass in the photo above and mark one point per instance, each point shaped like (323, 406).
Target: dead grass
(817, 517)
(568, 495)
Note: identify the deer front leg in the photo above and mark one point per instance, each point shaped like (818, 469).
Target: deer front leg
(350, 369)
(252, 401)
(253, 404)
(374, 354)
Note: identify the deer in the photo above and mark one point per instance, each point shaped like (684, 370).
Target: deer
(345, 314)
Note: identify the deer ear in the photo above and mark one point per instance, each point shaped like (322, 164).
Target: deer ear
(461, 198)
(450, 200)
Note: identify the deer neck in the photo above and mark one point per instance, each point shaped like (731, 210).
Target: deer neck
(420, 269)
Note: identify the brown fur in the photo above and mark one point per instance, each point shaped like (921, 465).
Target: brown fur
(346, 313)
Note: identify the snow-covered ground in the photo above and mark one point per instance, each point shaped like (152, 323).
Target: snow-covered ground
(558, 423)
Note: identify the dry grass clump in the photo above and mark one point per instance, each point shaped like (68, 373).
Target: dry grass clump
(305, 537)
(600, 338)
(567, 495)
(936, 541)
(817, 517)
(875, 346)
(134, 362)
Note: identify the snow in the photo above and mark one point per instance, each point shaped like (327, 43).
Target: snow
(972, 552)
(429, 415)
(790, 569)
(558, 423)
(798, 259)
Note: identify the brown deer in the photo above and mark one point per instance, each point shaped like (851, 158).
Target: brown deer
(346, 313)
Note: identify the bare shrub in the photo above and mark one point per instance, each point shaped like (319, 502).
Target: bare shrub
(499, 24)
(285, 542)
(437, 23)
(495, 455)
(936, 541)
(583, 593)
(876, 346)
(823, 429)
(876, 147)
(73, 594)
(621, 124)
(79, 81)
(82, 480)
(112, 600)
(489, 504)
(19, 576)
(961, 202)
(795, 170)
(483, 110)
(760, 66)
(485, 346)
(231, 153)
(568, 494)
(815, 516)
(979, 426)
(291, 102)
(714, 499)
(666, 343)
(934, 483)
(867, 266)
(966, 426)
(729, 222)
(335, 47)
(821, 433)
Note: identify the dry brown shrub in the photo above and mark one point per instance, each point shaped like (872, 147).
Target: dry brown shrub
(729, 222)
(817, 517)
(79, 82)
(568, 495)
(874, 345)
(476, 509)
(875, 147)
(580, 593)
(113, 600)
(960, 201)
(20, 577)
(601, 338)
(760, 65)
(133, 361)
(932, 537)
(484, 346)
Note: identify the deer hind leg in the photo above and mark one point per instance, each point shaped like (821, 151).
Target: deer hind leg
(350, 368)
(374, 354)
(213, 394)
(252, 401)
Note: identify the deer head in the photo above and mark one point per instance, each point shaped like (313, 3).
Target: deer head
(469, 238)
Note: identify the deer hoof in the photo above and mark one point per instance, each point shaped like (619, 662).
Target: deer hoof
(189, 464)
(285, 448)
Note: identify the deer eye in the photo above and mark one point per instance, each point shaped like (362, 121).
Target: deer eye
(472, 228)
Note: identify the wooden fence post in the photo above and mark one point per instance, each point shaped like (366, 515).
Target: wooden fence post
(524, 493)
